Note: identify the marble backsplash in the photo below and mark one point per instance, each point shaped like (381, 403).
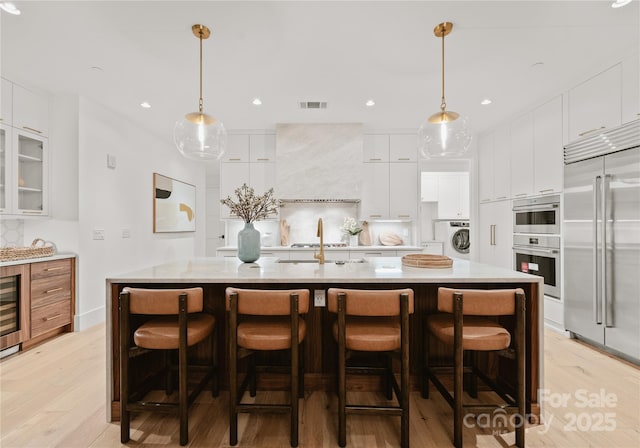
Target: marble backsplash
(11, 233)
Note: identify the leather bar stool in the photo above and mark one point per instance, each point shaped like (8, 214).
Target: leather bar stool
(373, 321)
(259, 321)
(464, 325)
(177, 323)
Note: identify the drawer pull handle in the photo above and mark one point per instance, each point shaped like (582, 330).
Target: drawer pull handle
(404, 216)
(263, 159)
(375, 216)
(31, 129)
(404, 158)
(582, 134)
(48, 318)
(31, 212)
(234, 159)
(54, 269)
(548, 190)
(376, 159)
(52, 290)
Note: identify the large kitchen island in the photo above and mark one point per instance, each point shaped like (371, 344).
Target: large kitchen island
(215, 274)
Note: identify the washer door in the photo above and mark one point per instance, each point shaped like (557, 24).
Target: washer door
(460, 241)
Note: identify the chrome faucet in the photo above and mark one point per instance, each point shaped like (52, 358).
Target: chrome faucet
(320, 256)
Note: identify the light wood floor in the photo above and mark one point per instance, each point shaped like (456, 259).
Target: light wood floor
(54, 396)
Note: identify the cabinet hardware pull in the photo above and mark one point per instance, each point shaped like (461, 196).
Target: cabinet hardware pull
(31, 129)
(521, 194)
(31, 212)
(53, 290)
(546, 191)
(404, 216)
(262, 159)
(57, 268)
(404, 158)
(501, 197)
(46, 319)
(376, 159)
(235, 159)
(375, 216)
(582, 134)
(485, 200)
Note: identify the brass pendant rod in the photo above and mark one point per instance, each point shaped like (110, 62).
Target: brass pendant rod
(200, 101)
(443, 104)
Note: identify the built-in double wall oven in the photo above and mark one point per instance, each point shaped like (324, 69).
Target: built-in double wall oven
(536, 240)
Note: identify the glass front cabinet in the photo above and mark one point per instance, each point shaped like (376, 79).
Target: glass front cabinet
(23, 173)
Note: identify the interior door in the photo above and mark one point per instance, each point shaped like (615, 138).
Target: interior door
(582, 268)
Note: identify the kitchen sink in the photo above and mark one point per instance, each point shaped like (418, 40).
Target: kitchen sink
(356, 260)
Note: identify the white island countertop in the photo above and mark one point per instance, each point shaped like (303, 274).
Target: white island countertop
(267, 270)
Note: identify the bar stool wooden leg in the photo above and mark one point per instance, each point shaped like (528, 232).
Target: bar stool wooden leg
(425, 362)
(124, 368)
(521, 341)
(458, 372)
(215, 386)
(473, 376)
(342, 374)
(295, 359)
(233, 371)
(404, 371)
(182, 374)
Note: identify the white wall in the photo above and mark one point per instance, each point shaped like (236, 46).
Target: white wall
(113, 200)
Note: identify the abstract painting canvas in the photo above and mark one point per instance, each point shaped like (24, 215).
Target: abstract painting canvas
(174, 205)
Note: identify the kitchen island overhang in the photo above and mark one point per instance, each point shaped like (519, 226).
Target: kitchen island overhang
(215, 274)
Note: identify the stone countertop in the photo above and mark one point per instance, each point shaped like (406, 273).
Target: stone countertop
(267, 270)
(58, 256)
(277, 248)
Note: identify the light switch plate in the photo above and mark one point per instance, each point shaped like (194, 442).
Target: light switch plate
(319, 298)
(98, 234)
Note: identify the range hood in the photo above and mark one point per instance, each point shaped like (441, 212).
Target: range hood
(319, 163)
(617, 139)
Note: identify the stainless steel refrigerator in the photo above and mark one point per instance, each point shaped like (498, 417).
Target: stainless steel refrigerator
(601, 236)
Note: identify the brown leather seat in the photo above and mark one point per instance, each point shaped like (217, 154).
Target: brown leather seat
(373, 321)
(265, 320)
(178, 324)
(467, 324)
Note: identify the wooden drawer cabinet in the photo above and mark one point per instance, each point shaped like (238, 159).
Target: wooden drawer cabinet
(47, 269)
(45, 291)
(50, 317)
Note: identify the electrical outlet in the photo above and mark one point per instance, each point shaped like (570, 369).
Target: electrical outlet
(319, 298)
(98, 234)
(126, 233)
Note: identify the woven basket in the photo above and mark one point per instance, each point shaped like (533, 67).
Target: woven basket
(33, 251)
(427, 261)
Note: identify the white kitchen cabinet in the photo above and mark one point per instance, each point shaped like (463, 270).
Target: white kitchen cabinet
(521, 156)
(375, 148)
(237, 149)
(30, 111)
(371, 253)
(631, 89)
(5, 169)
(485, 167)
(403, 190)
(262, 176)
(453, 195)
(375, 191)
(6, 102)
(232, 176)
(495, 234)
(262, 148)
(502, 163)
(403, 148)
(433, 248)
(429, 186)
(596, 104)
(548, 161)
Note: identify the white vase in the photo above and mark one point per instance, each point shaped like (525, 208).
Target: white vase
(353, 240)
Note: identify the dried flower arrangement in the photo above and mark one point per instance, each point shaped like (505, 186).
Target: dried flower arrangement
(351, 226)
(251, 207)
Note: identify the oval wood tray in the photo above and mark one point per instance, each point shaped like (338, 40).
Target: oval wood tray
(427, 261)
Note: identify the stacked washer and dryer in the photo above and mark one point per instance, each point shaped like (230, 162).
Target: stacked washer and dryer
(455, 237)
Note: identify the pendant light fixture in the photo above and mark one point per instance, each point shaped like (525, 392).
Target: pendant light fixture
(200, 136)
(445, 133)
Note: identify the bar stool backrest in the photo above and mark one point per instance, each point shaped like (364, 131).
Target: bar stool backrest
(264, 302)
(479, 302)
(370, 302)
(162, 301)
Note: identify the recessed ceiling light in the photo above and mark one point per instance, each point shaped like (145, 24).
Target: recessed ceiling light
(145, 105)
(486, 101)
(256, 102)
(620, 3)
(370, 103)
(10, 8)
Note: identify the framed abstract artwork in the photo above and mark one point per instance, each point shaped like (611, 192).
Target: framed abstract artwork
(174, 205)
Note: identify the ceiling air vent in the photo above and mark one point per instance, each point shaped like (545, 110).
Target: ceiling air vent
(313, 104)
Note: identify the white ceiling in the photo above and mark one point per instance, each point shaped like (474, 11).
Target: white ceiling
(340, 52)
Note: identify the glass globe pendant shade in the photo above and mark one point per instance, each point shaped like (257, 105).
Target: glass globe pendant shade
(199, 136)
(444, 134)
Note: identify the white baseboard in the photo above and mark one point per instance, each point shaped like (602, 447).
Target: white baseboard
(89, 319)
(557, 327)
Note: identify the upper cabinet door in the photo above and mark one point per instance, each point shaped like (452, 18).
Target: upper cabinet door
(262, 148)
(403, 190)
(631, 89)
(6, 100)
(403, 148)
(485, 167)
(548, 163)
(375, 191)
(596, 104)
(5, 169)
(502, 163)
(522, 156)
(30, 111)
(375, 148)
(237, 148)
